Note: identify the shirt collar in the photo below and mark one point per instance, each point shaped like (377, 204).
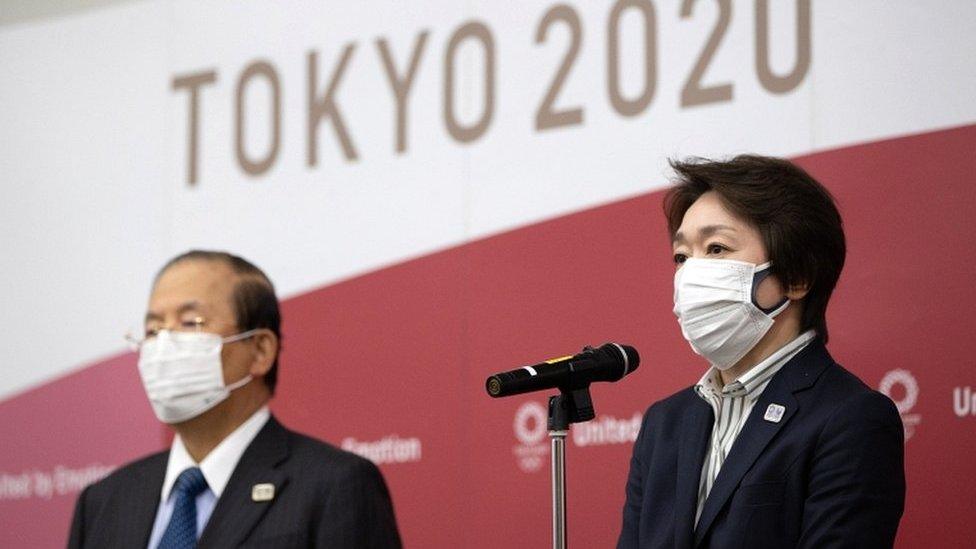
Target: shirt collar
(755, 379)
(220, 462)
(710, 385)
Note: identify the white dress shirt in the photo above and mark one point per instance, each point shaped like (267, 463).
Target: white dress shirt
(732, 404)
(216, 468)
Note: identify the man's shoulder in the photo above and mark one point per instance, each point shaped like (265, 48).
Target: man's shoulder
(131, 474)
(318, 457)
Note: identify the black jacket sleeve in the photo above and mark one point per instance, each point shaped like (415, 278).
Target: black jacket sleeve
(629, 533)
(856, 488)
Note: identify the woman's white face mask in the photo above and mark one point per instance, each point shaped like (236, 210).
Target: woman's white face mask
(714, 300)
(183, 374)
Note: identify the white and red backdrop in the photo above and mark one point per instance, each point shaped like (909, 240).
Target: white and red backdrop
(442, 190)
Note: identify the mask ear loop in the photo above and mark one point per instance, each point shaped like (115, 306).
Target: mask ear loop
(758, 276)
(239, 383)
(242, 335)
(237, 337)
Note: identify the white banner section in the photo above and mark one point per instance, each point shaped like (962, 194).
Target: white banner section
(326, 139)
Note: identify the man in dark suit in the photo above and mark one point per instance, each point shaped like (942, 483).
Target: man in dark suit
(777, 445)
(234, 476)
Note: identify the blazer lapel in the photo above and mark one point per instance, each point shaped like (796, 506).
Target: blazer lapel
(138, 513)
(236, 513)
(798, 374)
(695, 432)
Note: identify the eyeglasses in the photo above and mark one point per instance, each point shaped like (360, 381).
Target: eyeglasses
(137, 337)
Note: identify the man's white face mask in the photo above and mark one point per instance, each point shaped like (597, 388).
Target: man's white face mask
(183, 375)
(714, 300)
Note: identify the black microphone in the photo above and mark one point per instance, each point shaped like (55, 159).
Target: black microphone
(609, 362)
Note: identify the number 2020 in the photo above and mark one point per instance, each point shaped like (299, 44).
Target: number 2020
(693, 93)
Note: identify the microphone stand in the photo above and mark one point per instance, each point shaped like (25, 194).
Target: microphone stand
(572, 405)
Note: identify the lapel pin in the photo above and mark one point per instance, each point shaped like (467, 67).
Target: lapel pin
(262, 492)
(774, 413)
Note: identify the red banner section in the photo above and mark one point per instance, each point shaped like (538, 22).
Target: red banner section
(392, 364)
(59, 438)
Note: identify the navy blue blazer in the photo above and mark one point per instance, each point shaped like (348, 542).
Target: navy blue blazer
(830, 473)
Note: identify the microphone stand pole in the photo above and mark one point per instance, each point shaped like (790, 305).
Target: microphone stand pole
(570, 406)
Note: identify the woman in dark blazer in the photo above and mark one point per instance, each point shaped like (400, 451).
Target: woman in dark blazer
(776, 445)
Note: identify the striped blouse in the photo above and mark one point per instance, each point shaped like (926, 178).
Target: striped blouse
(732, 404)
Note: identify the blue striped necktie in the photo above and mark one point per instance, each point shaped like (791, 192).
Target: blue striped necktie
(181, 532)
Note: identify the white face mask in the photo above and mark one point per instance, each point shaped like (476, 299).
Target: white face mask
(715, 304)
(183, 375)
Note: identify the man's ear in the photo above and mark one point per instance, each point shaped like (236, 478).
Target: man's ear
(798, 291)
(266, 347)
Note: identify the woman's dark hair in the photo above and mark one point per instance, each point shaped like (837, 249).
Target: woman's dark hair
(253, 298)
(796, 216)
